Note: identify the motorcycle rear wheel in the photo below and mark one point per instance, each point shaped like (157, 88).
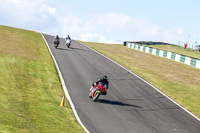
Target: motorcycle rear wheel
(68, 45)
(56, 46)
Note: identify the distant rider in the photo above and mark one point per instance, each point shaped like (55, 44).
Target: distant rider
(68, 38)
(104, 79)
(56, 38)
(68, 43)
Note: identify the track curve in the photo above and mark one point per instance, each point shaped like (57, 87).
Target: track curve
(131, 105)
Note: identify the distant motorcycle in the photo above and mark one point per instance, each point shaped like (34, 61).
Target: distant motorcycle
(56, 43)
(96, 91)
(68, 42)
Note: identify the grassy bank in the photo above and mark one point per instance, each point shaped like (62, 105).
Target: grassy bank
(179, 81)
(30, 91)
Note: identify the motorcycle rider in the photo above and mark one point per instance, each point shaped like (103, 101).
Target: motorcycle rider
(104, 79)
(68, 38)
(57, 38)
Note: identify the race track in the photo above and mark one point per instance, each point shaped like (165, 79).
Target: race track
(131, 105)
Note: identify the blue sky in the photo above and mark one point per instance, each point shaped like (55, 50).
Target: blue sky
(108, 21)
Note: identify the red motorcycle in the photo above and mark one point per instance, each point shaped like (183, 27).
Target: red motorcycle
(96, 91)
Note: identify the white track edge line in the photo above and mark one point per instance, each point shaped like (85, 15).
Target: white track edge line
(144, 81)
(65, 88)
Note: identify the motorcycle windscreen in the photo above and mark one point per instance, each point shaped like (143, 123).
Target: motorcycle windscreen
(68, 41)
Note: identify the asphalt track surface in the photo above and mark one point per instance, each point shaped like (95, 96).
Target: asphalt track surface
(131, 105)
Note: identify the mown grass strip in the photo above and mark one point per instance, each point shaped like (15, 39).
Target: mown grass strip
(30, 91)
(177, 80)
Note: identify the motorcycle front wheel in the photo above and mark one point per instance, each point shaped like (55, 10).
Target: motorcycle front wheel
(67, 45)
(96, 96)
(90, 95)
(55, 45)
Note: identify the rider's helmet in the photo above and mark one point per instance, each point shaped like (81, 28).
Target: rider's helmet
(57, 36)
(105, 78)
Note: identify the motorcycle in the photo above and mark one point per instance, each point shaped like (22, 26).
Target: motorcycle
(56, 43)
(96, 91)
(68, 42)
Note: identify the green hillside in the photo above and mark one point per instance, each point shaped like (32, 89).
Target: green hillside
(179, 81)
(30, 91)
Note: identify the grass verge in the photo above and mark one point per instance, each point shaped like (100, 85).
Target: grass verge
(179, 81)
(30, 91)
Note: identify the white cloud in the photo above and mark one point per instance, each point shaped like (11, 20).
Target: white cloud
(112, 21)
(42, 16)
(69, 25)
(92, 37)
(120, 27)
(45, 8)
(26, 13)
(16, 1)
